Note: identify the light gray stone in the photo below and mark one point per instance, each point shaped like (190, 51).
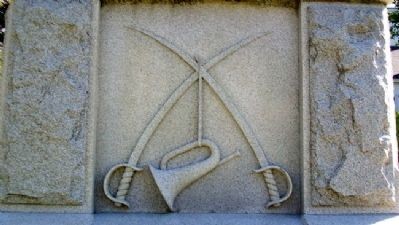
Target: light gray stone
(46, 219)
(354, 1)
(279, 3)
(197, 219)
(352, 140)
(147, 219)
(46, 91)
(138, 74)
(194, 219)
(375, 219)
(48, 113)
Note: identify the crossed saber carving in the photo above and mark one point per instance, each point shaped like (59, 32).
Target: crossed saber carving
(202, 69)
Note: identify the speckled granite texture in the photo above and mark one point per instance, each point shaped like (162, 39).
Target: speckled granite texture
(46, 90)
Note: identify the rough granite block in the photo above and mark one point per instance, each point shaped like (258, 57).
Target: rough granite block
(351, 124)
(46, 102)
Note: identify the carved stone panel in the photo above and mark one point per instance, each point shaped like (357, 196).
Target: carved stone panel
(210, 86)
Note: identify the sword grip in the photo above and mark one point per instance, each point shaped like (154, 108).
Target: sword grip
(274, 195)
(124, 185)
(272, 188)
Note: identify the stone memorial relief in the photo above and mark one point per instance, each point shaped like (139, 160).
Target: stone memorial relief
(172, 182)
(188, 120)
(208, 110)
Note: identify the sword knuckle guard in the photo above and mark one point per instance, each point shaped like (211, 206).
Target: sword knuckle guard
(274, 195)
(124, 184)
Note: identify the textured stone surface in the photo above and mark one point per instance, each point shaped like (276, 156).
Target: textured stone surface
(281, 3)
(194, 219)
(43, 156)
(137, 74)
(371, 219)
(350, 106)
(147, 219)
(354, 1)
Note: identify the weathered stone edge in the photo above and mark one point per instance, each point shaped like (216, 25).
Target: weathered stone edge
(281, 3)
(354, 1)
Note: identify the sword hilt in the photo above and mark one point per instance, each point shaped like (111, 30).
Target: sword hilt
(274, 194)
(272, 188)
(124, 184)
